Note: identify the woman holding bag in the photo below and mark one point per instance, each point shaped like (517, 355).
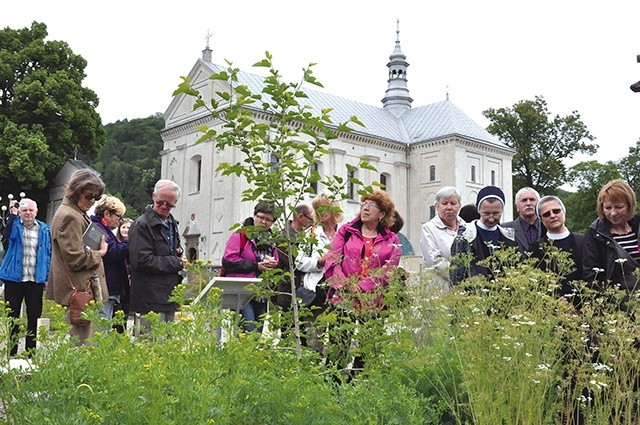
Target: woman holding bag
(72, 264)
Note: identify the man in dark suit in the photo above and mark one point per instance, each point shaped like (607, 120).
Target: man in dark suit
(527, 226)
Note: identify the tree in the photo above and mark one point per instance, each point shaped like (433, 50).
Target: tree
(588, 177)
(131, 154)
(630, 168)
(541, 143)
(276, 155)
(46, 115)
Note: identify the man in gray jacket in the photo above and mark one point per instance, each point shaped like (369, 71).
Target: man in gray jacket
(527, 226)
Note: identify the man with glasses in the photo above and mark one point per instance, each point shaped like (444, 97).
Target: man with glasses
(156, 255)
(481, 237)
(302, 218)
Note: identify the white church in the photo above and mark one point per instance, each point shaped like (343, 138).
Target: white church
(416, 151)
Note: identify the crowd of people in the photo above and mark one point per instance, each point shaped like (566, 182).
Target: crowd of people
(138, 263)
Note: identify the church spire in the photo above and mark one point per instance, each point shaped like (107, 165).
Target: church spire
(397, 97)
(206, 53)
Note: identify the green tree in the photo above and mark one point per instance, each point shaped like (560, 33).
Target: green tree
(46, 115)
(630, 167)
(588, 177)
(131, 153)
(276, 154)
(542, 143)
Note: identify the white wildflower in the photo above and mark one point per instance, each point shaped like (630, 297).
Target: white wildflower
(600, 366)
(535, 381)
(621, 260)
(528, 354)
(543, 366)
(508, 359)
(598, 270)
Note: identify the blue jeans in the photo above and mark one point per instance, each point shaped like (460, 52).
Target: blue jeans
(251, 314)
(107, 307)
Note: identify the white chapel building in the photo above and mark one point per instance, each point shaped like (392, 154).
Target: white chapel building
(416, 151)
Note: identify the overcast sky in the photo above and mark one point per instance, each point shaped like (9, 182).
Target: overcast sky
(579, 55)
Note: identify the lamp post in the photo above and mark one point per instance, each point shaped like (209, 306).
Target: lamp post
(6, 210)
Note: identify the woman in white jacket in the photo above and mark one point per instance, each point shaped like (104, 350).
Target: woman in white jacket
(438, 234)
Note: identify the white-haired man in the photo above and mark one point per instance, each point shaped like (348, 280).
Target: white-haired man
(527, 226)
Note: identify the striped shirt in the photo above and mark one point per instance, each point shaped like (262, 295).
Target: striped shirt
(29, 252)
(629, 243)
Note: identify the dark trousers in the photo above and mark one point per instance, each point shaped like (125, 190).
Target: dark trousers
(31, 293)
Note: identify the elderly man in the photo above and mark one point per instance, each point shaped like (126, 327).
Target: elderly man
(527, 226)
(25, 268)
(481, 237)
(155, 254)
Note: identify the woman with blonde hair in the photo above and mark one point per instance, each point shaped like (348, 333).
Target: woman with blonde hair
(611, 241)
(109, 212)
(72, 264)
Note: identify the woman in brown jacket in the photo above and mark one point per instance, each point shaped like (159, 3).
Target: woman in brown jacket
(73, 264)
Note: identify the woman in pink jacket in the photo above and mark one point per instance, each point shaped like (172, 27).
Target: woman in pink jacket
(244, 257)
(364, 252)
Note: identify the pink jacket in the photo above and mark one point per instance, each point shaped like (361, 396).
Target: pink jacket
(345, 259)
(241, 261)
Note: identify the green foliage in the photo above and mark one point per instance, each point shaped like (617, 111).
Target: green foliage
(277, 153)
(588, 177)
(541, 143)
(46, 115)
(131, 154)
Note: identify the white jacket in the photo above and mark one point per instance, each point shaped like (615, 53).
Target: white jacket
(435, 242)
(307, 262)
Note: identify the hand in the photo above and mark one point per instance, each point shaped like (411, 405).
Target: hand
(103, 246)
(184, 261)
(267, 264)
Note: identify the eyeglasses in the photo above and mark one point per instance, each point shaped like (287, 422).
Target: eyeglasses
(555, 211)
(167, 204)
(305, 215)
(264, 218)
(116, 214)
(91, 197)
(369, 205)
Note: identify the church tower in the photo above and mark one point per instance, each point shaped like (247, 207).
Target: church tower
(397, 99)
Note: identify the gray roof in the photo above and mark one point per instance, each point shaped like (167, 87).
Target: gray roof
(424, 123)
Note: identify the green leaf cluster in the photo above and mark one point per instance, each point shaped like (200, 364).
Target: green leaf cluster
(46, 115)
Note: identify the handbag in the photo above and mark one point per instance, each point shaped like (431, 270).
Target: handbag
(305, 295)
(78, 303)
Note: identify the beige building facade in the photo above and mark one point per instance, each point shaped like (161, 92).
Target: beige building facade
(415, 150)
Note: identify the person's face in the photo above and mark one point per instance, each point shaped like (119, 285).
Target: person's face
(552, 217)
(28, 213)
(490, 213)
(113, 218)
(370, 212)
(164, 201)
(306, 220)
(447, 209)
(526, 205)
(124, 230)
(616, 212)
(87, 198)
(263, 221)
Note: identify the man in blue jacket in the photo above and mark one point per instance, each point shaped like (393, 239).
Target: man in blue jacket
(25, 268)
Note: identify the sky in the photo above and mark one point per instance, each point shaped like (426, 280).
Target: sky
(579, 55)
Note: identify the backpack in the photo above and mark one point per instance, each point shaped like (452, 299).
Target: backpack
(243, 242)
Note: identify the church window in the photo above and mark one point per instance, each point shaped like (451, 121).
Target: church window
(473, 173)
(493, 177)
(195, 173)
(432, 211)
(432, 173)
(384, 181)
(315, 170)
(351, 186)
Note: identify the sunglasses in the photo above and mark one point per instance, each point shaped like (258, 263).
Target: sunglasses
(555, 211)
(91, 197)
(165, 203)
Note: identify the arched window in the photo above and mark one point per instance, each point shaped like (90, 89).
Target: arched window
(473, 173)
(195, 173)
(351, 186)
(385, 179)
(493, 177)
(432, 211)
(313, 178)
(432, 173)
